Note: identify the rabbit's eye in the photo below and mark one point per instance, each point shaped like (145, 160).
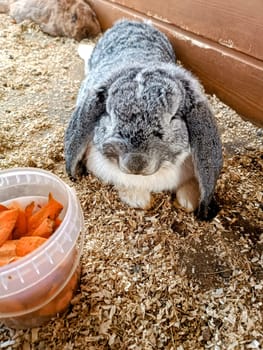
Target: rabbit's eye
(175, 117)
(110, 150)
(113, 149)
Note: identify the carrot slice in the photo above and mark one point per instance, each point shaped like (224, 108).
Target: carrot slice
(3, 207)
(29, 209)
(7, 260)
(26, 245)
(50, 210)
(8, 252)
(45, 229)
(8, 249)
(57, 223)
(7, 223)
(64, 300)
(20, 228)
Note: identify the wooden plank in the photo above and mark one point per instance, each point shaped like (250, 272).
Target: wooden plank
(236, 24)
(234, 77)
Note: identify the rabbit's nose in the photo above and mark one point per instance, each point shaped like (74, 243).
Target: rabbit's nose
(134, 163)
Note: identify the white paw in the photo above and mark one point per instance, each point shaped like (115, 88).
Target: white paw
(135, 198)
(185, 203)
(188, 195)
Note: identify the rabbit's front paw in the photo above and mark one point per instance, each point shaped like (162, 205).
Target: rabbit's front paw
(136, 198)
(187, 195)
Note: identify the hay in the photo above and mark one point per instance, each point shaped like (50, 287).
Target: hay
(154, 279)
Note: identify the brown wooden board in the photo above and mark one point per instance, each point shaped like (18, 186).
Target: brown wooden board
(236, 24)
(236, 78)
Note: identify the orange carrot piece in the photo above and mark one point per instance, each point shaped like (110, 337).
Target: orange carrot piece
(8, 249)
(7, 223)
(27, 244)
(57, 223)
(50, 210)
(48, 310)
(14, 205)
(45, 229)
(7, 252)
(11, 305)
(73, 282)
(3, 207)
(64, 300)
(5, 260)
(20, 228)
(29, 209)
(58, 304)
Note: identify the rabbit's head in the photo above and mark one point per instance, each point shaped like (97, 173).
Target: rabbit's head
(79, 20)
(140, 128)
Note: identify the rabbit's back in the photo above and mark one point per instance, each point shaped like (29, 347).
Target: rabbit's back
(133, 43)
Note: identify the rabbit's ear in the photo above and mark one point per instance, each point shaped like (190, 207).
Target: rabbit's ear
(206, 151)
(80, 129)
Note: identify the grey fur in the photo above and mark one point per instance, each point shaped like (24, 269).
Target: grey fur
(140, 109)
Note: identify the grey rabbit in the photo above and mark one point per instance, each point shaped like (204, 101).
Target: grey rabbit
(143, 123)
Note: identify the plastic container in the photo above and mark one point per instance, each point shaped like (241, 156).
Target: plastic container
(41, 285)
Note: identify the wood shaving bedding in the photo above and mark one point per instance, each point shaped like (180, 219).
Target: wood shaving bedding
(154, 279)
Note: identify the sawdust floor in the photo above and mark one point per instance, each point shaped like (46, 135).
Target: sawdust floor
(154, 279)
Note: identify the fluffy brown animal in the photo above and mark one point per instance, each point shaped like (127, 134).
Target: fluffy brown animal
(71, 18)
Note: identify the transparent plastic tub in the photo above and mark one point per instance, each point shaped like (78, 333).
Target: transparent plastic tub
(41, 285)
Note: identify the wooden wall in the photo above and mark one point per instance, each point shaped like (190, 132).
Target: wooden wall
(218, 40)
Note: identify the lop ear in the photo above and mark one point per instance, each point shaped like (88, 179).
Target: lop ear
(206, 150)
(80, 129)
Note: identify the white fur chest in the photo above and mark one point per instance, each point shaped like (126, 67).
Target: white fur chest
(169, 177)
